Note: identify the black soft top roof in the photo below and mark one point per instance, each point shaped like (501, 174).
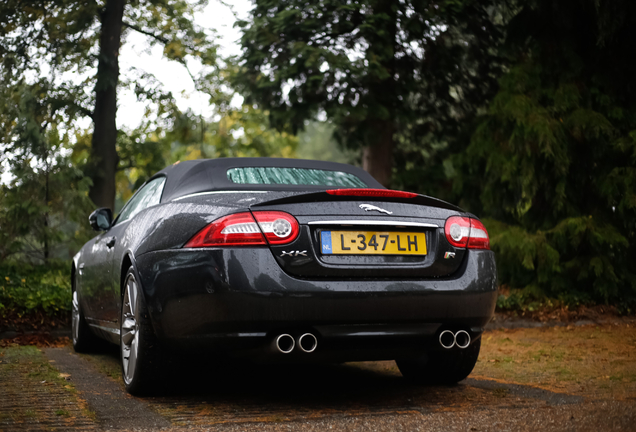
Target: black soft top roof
(205, 175)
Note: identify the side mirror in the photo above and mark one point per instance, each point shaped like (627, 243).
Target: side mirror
(101, 219)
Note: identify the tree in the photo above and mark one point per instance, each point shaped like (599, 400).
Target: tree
(61, 48)
(316, 142)
(383, 71)
(230, 132)
(41, 206)
(553, 161)
(236, 132)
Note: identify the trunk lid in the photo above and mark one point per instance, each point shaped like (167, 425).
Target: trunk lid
(351, 237)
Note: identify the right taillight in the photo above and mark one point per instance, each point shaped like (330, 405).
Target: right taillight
(464, 232)
(478, 236)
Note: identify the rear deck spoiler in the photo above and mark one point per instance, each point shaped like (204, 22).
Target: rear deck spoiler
(323, 196)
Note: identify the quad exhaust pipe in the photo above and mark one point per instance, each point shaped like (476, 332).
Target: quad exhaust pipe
(460, 339)
(285, 343)
(308, 342)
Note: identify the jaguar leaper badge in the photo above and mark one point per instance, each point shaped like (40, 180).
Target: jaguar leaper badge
(369, 207)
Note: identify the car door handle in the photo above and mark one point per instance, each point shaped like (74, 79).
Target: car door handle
(111, 242)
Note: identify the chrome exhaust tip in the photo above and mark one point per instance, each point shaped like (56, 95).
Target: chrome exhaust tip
(308, 342)
(462, 339)
(447, 339)
(285, 343)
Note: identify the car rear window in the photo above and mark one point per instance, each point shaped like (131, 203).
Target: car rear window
(293, 176)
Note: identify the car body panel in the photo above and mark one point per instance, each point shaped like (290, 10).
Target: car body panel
(235, 299)
(207, 298)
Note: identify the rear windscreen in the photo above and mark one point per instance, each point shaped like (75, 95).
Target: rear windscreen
(293, 176)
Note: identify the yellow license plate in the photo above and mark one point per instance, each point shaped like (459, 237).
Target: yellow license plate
(372, 243)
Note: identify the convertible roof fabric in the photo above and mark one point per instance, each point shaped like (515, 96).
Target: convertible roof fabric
(205, 175)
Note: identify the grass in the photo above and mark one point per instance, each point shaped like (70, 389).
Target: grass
(26, 367)
(589, 360)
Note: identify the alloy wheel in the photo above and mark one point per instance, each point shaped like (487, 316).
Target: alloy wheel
(130, 329)
(75, 317)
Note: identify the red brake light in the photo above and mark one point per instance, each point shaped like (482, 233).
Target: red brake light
(381, 193)
(241, 229)
(278, 227)
(478, 236)
(464, 232)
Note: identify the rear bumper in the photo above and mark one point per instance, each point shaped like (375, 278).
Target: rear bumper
(239, 300)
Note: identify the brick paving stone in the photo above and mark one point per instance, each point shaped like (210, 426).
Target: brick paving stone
(33, 397)
(113, 407)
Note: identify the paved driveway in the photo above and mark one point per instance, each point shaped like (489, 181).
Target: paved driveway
(562, 378)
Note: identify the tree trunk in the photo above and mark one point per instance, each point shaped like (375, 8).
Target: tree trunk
(103, 158)
(377, 158)
(46, 214)
(377, 155)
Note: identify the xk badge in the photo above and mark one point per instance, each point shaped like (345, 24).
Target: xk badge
(294, 253)
(448, 255)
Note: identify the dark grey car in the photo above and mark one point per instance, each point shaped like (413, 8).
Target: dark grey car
(285, 260)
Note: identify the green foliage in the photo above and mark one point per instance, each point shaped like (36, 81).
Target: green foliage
(383, 72)
(41, 206)
(235, 132)
(553, 161)
(26, 290)
(64, 35)
(55, 61)
(316, 142)
(241, 132)
(43, 214)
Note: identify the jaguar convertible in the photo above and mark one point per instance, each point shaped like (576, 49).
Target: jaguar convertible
(284, 260)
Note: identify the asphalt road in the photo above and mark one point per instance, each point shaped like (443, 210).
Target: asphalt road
(87, 395)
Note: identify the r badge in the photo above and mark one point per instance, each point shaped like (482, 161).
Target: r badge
(448, 255)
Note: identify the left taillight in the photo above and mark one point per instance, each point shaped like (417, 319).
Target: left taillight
(241, 229)
(279, 227)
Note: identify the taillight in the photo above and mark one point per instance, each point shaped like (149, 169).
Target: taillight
(478, 236)
(466, 232)
(278, 227)
(241, 229)
(380, 193)
(457, 230)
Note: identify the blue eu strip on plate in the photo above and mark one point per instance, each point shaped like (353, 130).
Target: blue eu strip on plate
(325, 237)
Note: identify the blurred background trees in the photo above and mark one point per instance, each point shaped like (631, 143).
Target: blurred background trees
(387, 74)
(553, 160)
(521, 111)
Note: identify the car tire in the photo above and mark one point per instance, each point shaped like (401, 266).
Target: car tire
(139, 351)
(84, 341)
(441, 367)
